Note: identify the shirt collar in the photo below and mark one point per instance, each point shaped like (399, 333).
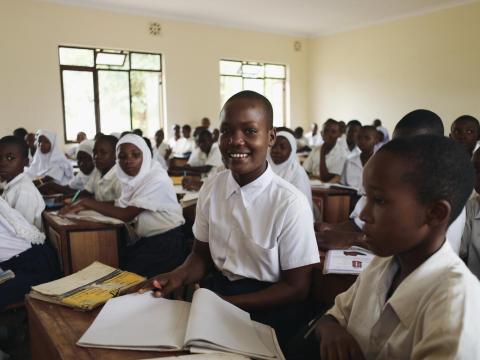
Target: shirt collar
(250, 191)
(410, 291)
(5, 186)
(110, 173)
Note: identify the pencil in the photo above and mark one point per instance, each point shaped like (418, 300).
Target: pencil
(74, 198)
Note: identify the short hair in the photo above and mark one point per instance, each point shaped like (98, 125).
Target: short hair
(252, 95)
(111, 139)
(20, 133)
(284, 128)
(419, 122)
(138, 132)
(331, 121)
(369, 128)
(15, 140)
(354, 123)
(187, 127)
(439, 169)
(204, 133)
(377, 122)
(468, 118)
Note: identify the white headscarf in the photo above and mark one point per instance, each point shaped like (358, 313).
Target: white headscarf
(11, 218)
(47, 164)
(87, 147)
(289, 168)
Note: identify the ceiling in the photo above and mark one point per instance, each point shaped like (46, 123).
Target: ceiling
(294, 17)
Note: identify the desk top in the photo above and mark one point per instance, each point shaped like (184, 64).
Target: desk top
(74, 224)
(61, 328)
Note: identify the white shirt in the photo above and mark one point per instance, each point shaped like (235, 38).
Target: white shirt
(433, 314)
(470, 248)
(199, 158)
(106, 188)
(21, 194)
(161, 150)
(335, 160)
(80, 180)
(454, 232)
(183, 146)
(10, 243)
(352, 172)
(314, 140)
(302, 142)
(356, 151)
(257, 230)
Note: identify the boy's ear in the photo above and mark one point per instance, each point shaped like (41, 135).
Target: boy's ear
(438, 213)
(272, 136)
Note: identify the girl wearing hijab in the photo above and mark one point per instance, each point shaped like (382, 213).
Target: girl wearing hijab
(284, 162)
(149, 203)
(23, 251)
(49, 163)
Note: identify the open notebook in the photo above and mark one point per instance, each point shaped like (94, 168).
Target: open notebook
(208, 324)
(347, 261)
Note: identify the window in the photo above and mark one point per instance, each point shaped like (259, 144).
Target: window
(110, 91)
(266, 79)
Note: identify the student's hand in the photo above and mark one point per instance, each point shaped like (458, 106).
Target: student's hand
(168, 152)
(75, 207)
(328, 238)
(164, 284)
(336, 343)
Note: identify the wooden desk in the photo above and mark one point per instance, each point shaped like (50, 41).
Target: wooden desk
(79, 243)
(54, 331)
(334, 204)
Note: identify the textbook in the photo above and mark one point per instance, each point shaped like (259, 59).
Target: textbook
(207, 325)
(87, 288)
(95, 216)
(348, 261)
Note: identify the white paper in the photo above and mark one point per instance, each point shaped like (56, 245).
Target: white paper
(348, 261)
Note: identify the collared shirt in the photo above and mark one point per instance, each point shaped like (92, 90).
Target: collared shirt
(454, 231)
(470, 248)
(199, 158)
(106, 188)
(433, 313)
(21, 194)
(10, 243)
(256, 230)
(352, 172)
(335, 160)
(183, 146)
(80, 180)
(313, 140)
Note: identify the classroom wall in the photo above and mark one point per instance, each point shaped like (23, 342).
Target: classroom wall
(384, 71)
(30, 32)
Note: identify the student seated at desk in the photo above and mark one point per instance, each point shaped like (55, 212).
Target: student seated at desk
(353, 170)
(416, 299)
(252, 228)
(49, 163)
(326, 162)
(466, 131)
(104, 184)
(18, 189)
(184, 146)
(162, 151)
(205, 158)
(351, 138)
(85, 165)
(22, 250)
(149, 201)
(344, 235)
(284, 162)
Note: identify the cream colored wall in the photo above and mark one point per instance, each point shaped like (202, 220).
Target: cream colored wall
(430, 61)
(30, 32)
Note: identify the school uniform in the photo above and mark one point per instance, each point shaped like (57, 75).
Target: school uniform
(454, 231)
(302, 142)
(335, 160)
(433, 313)
(161, 244)
(21, 194)
(352, 172)
(53, 164)
(254, 232)
(183, 147)
(470, 246)
(291, 170)
(314, 140)
(80, 179)
(23, 251)
(104, 188)
(213, 159)
(159, 154)
(354, 152)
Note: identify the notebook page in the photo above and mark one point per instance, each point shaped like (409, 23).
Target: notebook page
(92, 215)
(219, 322)
(139, 321)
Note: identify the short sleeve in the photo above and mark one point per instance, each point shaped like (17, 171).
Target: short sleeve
(200, 226)
(342, 308)
(309, 163)
(194, 159)
(297, 243)
(215, 157)
(336, 166)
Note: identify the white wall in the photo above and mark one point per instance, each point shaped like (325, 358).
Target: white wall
(385, 71)
(30, 32)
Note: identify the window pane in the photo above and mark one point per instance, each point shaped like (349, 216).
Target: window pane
(111, 59)
(275, 92)
(252, 71)
(79, 103)
(146, 100)
(73, 56)
(275, 71)
(114, 97)
(254, 84)
(229, 85)
(146, 61)
(230, 67)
